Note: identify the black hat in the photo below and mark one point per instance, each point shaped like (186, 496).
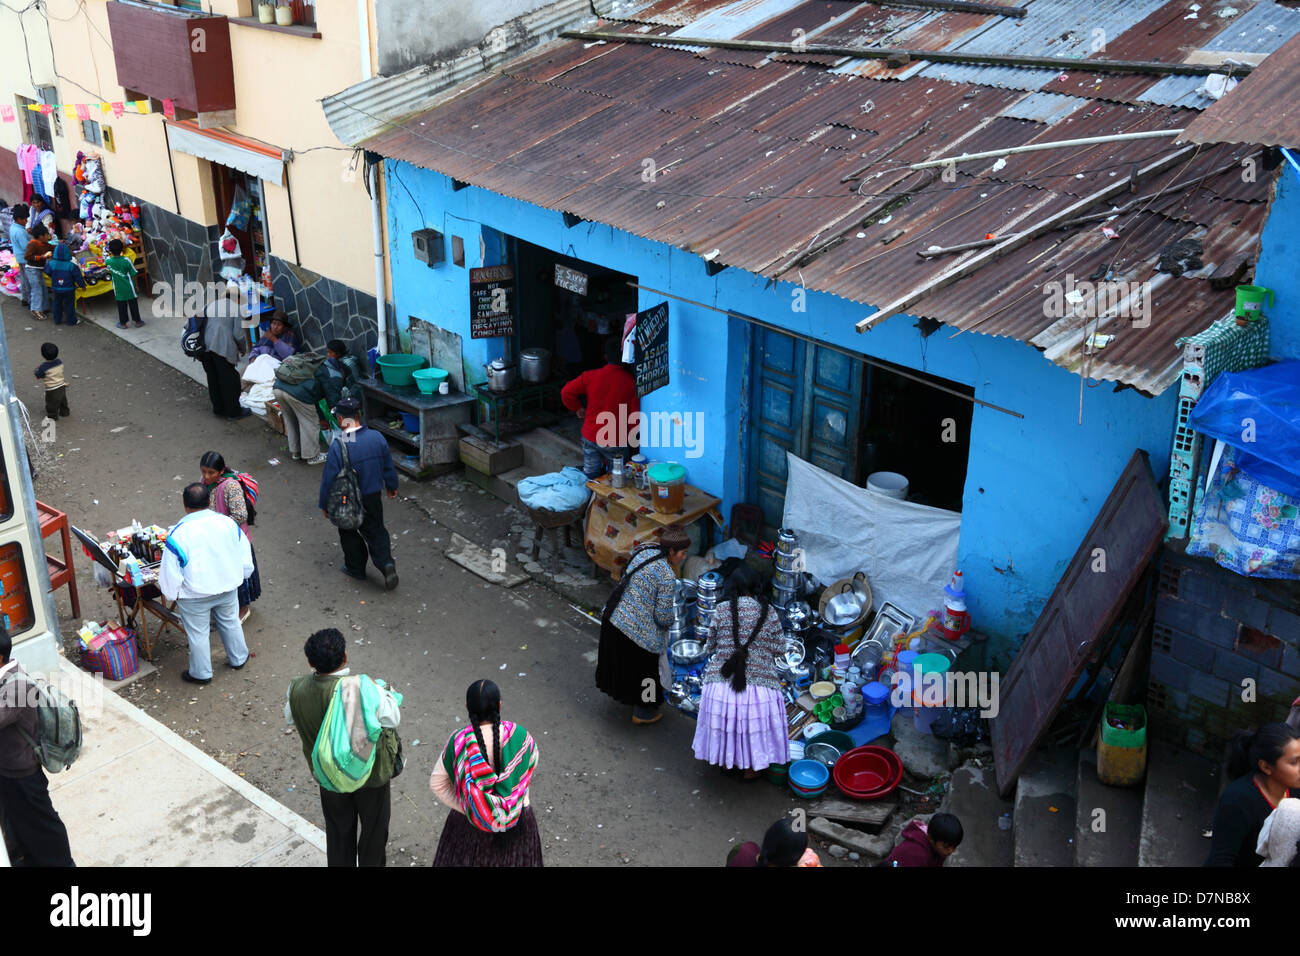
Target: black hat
(347, 408)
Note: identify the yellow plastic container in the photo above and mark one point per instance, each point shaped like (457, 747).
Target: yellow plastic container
(1122, 751)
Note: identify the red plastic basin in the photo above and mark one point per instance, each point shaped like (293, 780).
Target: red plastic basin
(868, 773)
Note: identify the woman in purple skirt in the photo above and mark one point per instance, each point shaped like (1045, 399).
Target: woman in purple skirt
(742, 720)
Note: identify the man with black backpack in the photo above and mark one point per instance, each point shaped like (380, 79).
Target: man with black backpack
(33, 830)
(359, 465)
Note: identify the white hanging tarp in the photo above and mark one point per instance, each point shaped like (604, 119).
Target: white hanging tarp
(262, 162)
(908, 551)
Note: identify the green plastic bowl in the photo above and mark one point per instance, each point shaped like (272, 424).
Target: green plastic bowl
(428, 379)
(396, 369)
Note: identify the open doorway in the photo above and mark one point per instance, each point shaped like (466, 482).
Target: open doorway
(232, 186)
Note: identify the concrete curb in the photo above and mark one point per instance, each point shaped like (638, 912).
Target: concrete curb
(309, 832)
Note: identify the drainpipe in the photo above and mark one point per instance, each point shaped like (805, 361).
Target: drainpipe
(376, 225)
(363, 34)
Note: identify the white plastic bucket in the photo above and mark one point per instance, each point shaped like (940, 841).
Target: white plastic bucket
(888, 483)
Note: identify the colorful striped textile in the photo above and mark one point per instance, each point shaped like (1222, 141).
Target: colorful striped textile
(492, 801)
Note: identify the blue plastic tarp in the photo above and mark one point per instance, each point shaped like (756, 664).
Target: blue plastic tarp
(1257, 412)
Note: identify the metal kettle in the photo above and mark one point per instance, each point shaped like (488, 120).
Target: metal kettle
(501, 377)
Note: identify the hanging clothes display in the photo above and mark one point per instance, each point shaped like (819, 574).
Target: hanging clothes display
(49, 172)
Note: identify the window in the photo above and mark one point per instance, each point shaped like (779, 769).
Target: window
(90, 132)
(36, 126)
(195, 5)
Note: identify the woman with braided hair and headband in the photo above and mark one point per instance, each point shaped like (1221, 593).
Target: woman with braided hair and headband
(483, 777)
(742, 719)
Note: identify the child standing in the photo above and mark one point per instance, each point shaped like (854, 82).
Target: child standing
(19, 237)
(56, 390)
(65, 279)
(38, 251)
(122, 270)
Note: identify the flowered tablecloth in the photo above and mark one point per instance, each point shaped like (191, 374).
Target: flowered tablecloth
(1246, 526)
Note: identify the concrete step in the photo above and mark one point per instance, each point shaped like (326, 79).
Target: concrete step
(546, 452)
(973, 799)
(1182, 790)
(1043, 827)
(1108, 820)
(503, 486)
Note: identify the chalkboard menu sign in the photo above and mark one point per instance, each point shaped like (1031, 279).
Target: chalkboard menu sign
(491, 302)
(651, 349)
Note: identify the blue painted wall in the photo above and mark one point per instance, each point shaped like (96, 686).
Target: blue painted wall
(1033, 485)
(1277, 266)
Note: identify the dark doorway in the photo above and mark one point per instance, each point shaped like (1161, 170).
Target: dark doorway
(226, 186)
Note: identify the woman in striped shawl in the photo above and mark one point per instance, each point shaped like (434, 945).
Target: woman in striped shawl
(483, 777)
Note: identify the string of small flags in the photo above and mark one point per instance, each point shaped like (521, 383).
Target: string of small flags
(85, 111)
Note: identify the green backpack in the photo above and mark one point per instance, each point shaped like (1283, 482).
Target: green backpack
(58, 735)
(298, 368)
(344, 755)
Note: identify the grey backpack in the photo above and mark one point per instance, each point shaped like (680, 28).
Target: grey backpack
(58, 740)
(344, 504)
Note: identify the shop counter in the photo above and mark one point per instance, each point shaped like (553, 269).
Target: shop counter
(432, 448)
(620, 520)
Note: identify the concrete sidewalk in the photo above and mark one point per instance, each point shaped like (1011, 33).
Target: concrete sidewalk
(140, 795)
(160, 337)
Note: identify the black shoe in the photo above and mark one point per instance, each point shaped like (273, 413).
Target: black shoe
(240, 667)
(390, 577)
(359, 575)
(64, 413)
(242, 413)
(185, 676)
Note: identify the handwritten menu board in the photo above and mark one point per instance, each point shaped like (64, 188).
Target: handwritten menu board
(570, 279)
(491, 302)
(651, 349)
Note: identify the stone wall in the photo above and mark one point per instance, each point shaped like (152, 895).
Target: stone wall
(321, 308)
(173, 245)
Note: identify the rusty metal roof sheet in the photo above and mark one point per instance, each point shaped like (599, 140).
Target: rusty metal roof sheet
(798, 172)
(1262, 109)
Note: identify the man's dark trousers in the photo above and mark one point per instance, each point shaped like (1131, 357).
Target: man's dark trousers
(31, 824)
(371, 537)
(371, 806)
(223, 385)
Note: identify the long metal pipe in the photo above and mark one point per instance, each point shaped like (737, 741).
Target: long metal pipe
(377, 239)
(1058, 144)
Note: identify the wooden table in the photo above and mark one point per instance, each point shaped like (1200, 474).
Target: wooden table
(633, 512)
(61, 572)
(435, 448)
(135, 605)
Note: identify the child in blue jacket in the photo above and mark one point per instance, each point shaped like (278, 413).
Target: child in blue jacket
(65, 279)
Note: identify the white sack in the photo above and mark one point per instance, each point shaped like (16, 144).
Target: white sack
(908, 551)
(261, 371)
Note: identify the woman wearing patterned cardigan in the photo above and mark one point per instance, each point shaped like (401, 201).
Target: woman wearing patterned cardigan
(742, 720)
(634, 628)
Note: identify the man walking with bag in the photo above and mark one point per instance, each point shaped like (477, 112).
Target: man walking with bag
(370, 805)
(205, 559)
(32, 828)
(365, 454)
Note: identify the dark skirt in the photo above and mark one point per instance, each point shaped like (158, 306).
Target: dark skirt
(251, 589)
(623, 667)
(463, 844)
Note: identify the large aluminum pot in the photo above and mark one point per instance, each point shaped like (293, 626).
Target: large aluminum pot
(501, 377)
(535, 365)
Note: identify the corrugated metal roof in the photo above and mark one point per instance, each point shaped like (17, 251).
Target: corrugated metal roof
(798, 172)
(1262, 109)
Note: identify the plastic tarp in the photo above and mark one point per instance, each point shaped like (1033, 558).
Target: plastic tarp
(564, 490)
(1258, 413)
(907, 550)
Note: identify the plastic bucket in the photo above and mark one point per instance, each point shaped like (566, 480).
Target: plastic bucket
(1250, 300)
(925, 709)
(428, 379)
(411, 422)
(888, 483)
(1122, 751)
(396, 369)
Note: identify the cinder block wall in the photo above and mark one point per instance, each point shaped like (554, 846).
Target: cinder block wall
(1214, 632)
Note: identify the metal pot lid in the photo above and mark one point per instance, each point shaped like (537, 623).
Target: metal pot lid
(499, 365)
(536, 353)
(710, 581)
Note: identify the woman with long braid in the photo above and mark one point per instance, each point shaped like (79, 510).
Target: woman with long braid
(483, 777)
(742, 720)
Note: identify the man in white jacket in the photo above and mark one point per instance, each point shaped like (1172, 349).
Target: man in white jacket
(206, 559)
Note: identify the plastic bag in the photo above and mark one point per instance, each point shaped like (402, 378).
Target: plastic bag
(240, 210)
(228, 246)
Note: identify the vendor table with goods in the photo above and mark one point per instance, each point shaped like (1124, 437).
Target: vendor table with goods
(620, 520)
(91, 262)
(132, 557)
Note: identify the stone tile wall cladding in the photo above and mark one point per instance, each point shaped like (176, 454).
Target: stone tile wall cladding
(1201, 653)
(173, 245)
(322, 309)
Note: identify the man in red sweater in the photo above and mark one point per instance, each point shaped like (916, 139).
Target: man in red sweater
(606, 401)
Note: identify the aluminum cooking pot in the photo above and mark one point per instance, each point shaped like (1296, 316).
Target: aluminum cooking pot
(844, 608)
(501, 377)
(535, 365)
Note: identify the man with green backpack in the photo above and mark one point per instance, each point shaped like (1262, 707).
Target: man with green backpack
(348, 728)
(32, 826)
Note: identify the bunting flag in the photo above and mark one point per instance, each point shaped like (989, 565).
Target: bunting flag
(169, 109)
(7, 114)
(84, 111)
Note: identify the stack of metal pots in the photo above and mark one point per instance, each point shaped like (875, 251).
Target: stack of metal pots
(684, 601)
(789, 569)
(708, 591)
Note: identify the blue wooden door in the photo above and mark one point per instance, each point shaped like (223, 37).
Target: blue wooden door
(808, 401)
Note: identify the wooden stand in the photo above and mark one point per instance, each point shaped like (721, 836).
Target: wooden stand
(61, 572)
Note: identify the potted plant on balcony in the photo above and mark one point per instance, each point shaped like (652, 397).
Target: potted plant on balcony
(266, 11)
(283, 13)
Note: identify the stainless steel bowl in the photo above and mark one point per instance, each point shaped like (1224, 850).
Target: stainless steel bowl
(686, 652)
(824, 753)
(844, 609)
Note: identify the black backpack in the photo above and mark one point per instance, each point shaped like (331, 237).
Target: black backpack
(344, 503)
(192, 343)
